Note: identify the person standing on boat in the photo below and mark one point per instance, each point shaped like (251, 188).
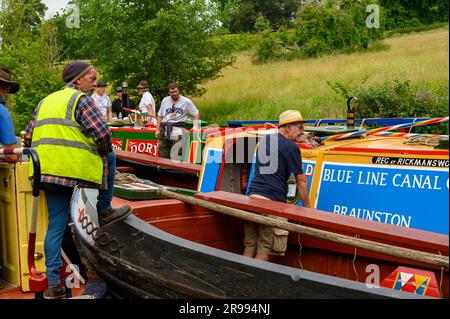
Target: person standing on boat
(7, 135)
(277, 158)
(147, 104)
(172, 114)
(103, 101)
(74, 146)
(117, 105)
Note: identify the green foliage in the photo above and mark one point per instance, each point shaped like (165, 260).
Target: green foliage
(269, 48)
(336, 26)
(32, 57)
(158, 41)
(19, 19)
(246, 13)
(408, 14)
(398, 99)
(241, 15)
(237, 42)
(262, 24)
(71, 40)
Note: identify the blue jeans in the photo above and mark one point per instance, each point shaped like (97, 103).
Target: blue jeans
(58, 202)
(105, 195)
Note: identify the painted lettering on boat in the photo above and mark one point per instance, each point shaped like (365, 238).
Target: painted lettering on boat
(372, 178)
(89, 229)
(117, 144)
(410, 161)
(397, 195)
(370, 214)
(143, 147)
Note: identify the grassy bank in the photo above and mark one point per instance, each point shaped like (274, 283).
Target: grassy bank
(247, 91)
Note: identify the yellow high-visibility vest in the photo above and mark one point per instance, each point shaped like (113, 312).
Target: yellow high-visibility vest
(63, 149)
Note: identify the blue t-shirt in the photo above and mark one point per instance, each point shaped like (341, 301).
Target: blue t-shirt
(7, 135)
(276, 159)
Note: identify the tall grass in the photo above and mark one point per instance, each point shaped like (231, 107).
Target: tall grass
(261, 92)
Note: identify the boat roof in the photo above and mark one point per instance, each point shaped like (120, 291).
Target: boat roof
(372, 144)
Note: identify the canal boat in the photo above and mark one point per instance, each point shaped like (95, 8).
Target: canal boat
(186, 251)
(171, 249)
(386, 176)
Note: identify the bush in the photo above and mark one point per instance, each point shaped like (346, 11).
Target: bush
(268, 49)
(237, 42)
(332, 27)
(399, 99)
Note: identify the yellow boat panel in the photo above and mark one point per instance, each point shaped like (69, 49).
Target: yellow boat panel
(9, 254)
(15, 211)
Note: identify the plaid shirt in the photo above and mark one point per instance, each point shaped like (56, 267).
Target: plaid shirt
(92, 123)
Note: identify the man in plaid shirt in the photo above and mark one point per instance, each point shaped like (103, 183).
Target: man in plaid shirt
(91, 128)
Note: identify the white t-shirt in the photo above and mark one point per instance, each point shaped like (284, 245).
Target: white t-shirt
(147, 99)
(103, 103)
(176, 112)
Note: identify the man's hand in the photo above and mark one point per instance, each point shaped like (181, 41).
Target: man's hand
(157, 133)
(9, 158)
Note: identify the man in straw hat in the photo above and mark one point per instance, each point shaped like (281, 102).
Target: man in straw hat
(73, 142)
(7, 136)
(277, 158)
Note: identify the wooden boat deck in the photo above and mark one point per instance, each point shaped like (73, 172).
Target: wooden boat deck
(158, 162)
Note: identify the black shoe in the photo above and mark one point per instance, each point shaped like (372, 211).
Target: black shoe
(114, 215)
(55, 292)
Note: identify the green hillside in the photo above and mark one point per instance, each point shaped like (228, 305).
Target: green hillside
(247, 91)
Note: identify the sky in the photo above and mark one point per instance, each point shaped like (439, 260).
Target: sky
(54, 6)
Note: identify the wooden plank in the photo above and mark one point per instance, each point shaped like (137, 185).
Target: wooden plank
(376, 230)
(158, 161)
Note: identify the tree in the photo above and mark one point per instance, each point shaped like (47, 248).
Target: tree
(30, 50)
(19, 19)
(278, 13)
(406, 13)
(159, 41)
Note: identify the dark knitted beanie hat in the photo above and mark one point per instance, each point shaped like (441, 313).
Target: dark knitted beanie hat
(75, 70)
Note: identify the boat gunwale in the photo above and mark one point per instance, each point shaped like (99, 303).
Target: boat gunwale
(410, 236)
(158, 161)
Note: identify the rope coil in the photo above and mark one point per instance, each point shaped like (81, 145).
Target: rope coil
(126, 178)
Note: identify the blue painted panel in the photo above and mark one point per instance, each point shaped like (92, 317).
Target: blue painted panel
(407, 197)
(308, 170)
(252, 171)
(211, 169)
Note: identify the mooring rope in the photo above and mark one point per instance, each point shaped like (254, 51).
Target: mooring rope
(423, 140)
(126, 178)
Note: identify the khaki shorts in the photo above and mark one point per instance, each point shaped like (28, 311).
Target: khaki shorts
(265, 239)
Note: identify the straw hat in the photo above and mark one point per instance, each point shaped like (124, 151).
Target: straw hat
(101, 85)
(290, 116)
(5, 80)
(143, 85)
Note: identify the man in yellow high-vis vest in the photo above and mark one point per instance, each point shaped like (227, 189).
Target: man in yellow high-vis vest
(74, 146)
